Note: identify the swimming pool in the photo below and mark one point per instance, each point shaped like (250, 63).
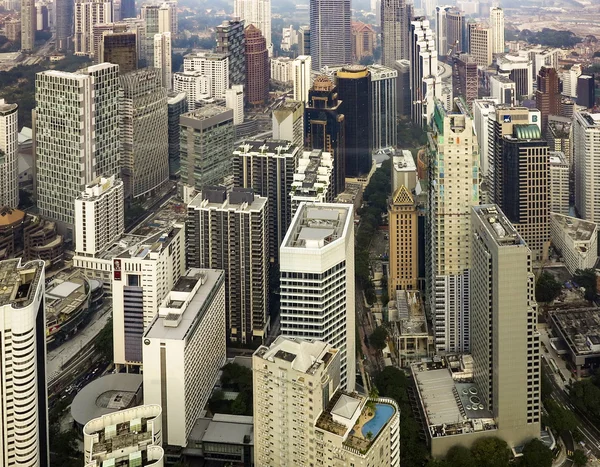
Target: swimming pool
(383, 413)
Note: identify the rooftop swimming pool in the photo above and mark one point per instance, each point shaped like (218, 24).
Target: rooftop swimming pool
(383, 413)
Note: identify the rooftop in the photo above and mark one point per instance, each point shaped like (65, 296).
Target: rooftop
(578, 229)
(19, 282)
(557, 158)
(497, 225)
(305, 356)
(224, 429)
(208, 111)
(411, 315)
(156, 244)
(580, 328)
(99, 187)
(266, 146)
(316, 225)
(126, 242)
(67, 292)
(313, 172)
(403, 161)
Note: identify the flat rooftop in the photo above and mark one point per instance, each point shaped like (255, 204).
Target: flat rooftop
(316, 225)
(403, 161)
(580, 329)
(558, 158)
(19, 281)
(208, 111)
(266, 146)
(155, 244)
(126, 242)
(498, 226)
(578, 229)
(67, 292)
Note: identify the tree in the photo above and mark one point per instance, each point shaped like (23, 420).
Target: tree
(378, 338)
(586, 396)
(460, 456)
(536, 454)
(586, 278)
(104, 341)
(579, 458)
(490, 452)
(558, 418)
(547, 288)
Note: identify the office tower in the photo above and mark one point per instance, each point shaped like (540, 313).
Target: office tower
(268, 167)
(42, 13)
(480, 44)
(87, 14)
(325, 127)
(313, 180)
(586, 163)
(354, 89)
(128, 9)
(144, 132)
(547, 95)
(559, 183)
(64, 24)
(157, 20)
(424, 86)
(231, 40)
(304, 40)
(363, 39)
(214, 66)
(143, 275)
(465, 79)
(568, 78)
(503, 89)
(194, 85)
(403, 234)
(403, 104)
(9, 172)
(281, 70)
(120, 49)
(229, 232)
(384, 114)
(301, 77)
(497, 25)
(317, 257)
(567, 108)
(450, 26)
(72, 154)
(256, 13)
(162, 58)
(28, 25)
(519, 68)
(404, 171)
(504, 336)
(234, 100)
(288, 122)
(482, 109)
(257, 67)
(133, 26)
(167, 17)
(395, 31)
(184, 349)
(99, 215)
(330, 36)
(560, 136)
(176, 106)
(453, 155)
(24, 427)
(206, 146)
(140, 436)
(586, 91)
(525, 163)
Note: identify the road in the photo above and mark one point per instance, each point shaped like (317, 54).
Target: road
(372, 363)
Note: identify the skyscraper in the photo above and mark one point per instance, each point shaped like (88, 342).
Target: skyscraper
(258, 71)
(586, 91)
(384, 114)
(547, 95)
(9, 172)
(330, 37)
(157, 20)
(120, 48)
(354, 88)
(229, 232)
(453, 156)
(301, 77)
(586, 163)
(231, 40)
(128, 9)
(176, 106)
(325, 125)
(424, 85)
(497, 26)
(403, 232)
(162, 58)
(288, 122)
(395, 31)
(504, 337)
(480, 44)
(87, 14)
(213, 66)
(256, 13)
(28, 25)
(64, 24)
(24, 400)
(234, 100)
(317, 259)
(466, 79)
(450, 30)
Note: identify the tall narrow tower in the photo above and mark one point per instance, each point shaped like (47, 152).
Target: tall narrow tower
(395, 31)
(330, 33)
(9, 172)
(256, 13)
(497, 25)
(28, 25)
(258, 71)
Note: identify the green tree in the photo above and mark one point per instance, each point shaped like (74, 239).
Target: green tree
(460, 456)
(378, 338)
(491, 452)
(547, 288)
(558, 418)
(579, 458)
(586, 396)
(586, 278)
(536, 454)
(104, 342)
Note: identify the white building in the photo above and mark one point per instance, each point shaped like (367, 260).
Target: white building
(281, 70)
(497, 25)
(234, 100)
(9, 171)
(384, 129)
(482, 109)
(404, 170)
(258, 13)
(569, 80)
(23, 392)
(126, 436)
(301, 77)
(519, 67)
(288, 122)
(142, 278)
(503, 89)
(212, 65)
(162, 58)
(586, 163)
(87, 13)
(289, 37)
(317, 259)
(99, 216)
(576, 239)
(195, 85)
(313, 182)
(559, 183)
(184, 349)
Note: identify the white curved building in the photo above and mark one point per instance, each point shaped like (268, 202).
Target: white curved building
(23, 392)
(9, 174)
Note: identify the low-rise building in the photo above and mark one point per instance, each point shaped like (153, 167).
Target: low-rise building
(576, 239)
(313, 179)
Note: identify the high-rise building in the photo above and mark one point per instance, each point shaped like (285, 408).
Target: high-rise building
(128, 9)
(85, 145)
(466, 79)
(258, 71)
(281, 70)
(503, 89)
(194, 85)
(231, 40)
(184, 349)
(497, 26)
(157, 20)
(176, 106)
(9, 171)
(64, 24)
(162, 58)
(234, 100)
(364, 39)
(167, 17)
(317, 258)
(559, 183)
(313, 180)
(28, 25)
(142, 277)
(519, 68)
(480, 44)
(301, 78)
(504, 337)
(319, 413)
(120, 48)
(268, 167)
(586, 164)
(568, 78)
(560, 136)
(525, 163)
(403, 104)
(12, 29)
(330, 41)
(354, 89)
(134, 26)
(206, 146)
(288, 122)
(144, 132)
(304, 40)
(384, 114)
(87, 14)
(482, 109)
(395, 31)
(325, 127)
(403, 234)
(24, 427)
(229, 232)
(212, 65)
(450, 30)
(586, 91)
(256, 13)
(424, 85)
(576, 241)
(453, 155)
(547, 95)
(99, 216)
